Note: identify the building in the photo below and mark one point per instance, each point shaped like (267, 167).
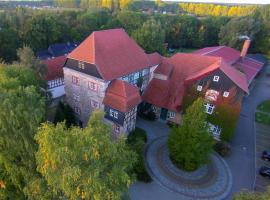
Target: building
(109, 71)
(54, 58)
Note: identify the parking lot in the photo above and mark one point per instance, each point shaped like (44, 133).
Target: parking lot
(262, 143)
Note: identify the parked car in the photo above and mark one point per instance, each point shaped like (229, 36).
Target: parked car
(265, 171)
(266, 155)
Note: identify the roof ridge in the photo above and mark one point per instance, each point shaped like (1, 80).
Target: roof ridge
(206, 53)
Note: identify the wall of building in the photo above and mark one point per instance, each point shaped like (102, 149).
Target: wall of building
(80, 96)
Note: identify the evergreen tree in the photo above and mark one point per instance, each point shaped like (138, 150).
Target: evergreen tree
(190, 144)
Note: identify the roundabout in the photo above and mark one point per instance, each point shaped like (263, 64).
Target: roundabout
(211, 181)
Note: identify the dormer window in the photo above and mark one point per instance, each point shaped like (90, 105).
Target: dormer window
(81, 65)
(216, 78)
(113, 113)
(226, 94)
(199, 88)
(171, 114)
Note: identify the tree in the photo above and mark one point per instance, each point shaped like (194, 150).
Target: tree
(9, 42)
(247, 195)
(151, 36)
(229, 34)
(123, 4)
(21, 110)
(190, 144)
(27, 59)
(41, 31)
(65, 3)
(84, 163)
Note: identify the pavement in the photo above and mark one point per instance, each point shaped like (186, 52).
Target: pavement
(241, 161)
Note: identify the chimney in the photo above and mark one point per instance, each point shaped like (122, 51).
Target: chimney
(245, 48)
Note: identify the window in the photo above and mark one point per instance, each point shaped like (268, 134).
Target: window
(125, 78)
(171, 114)
(94, 104)
(199, 88)
(216, 78)
(81, 65)
(145, 71)
(209, 108)
(75, 80)
(76, 98)
(92, 86)
(136, 75)
(226, 94)
(130, 78)
(113, 113)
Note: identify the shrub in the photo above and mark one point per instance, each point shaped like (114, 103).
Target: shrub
(222, 148)
(137, 140)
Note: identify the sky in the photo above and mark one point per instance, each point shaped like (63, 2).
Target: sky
(228, 1)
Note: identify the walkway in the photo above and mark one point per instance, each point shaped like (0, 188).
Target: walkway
(212, 181)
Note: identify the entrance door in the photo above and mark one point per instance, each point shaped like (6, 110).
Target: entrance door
(163, 114)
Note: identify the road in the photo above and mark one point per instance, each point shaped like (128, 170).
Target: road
(242, 159)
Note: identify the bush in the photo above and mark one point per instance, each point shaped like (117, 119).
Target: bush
(222, 148)
(137, 140)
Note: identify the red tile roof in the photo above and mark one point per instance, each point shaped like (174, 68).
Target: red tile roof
(250, 67)
(54, 67)
(122, 96)
(186, 67)
(113, 52)
(154, 58)
(229, 54)
(164, 68)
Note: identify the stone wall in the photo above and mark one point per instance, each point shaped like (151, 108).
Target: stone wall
(80, 97)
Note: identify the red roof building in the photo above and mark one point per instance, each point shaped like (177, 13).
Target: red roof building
(122, 96)
(249, 66)
(54, 67)
(113, 53)
(181, 69)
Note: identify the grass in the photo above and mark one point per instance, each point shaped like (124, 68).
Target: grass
(264, 106)
(262, 118)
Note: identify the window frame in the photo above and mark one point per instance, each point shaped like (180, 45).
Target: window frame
(216, 78)
(75, 80)
(94, 84)
(226, 94)
(209, 108)
(199, 88)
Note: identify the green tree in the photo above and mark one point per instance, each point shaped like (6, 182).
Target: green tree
(247, 195)
(27, 59)
(41, 31)
(190, 144)
(151, 36)
(9, 42)
(66, 3)
(84, 163)
(21, 110)
(229, 34)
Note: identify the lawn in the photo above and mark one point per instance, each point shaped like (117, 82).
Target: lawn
(264, 106)
(263, 118)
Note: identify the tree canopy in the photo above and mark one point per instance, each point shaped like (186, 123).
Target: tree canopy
(190, 144)
(84, 163)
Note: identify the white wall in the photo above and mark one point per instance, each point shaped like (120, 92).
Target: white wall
(57, 91)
